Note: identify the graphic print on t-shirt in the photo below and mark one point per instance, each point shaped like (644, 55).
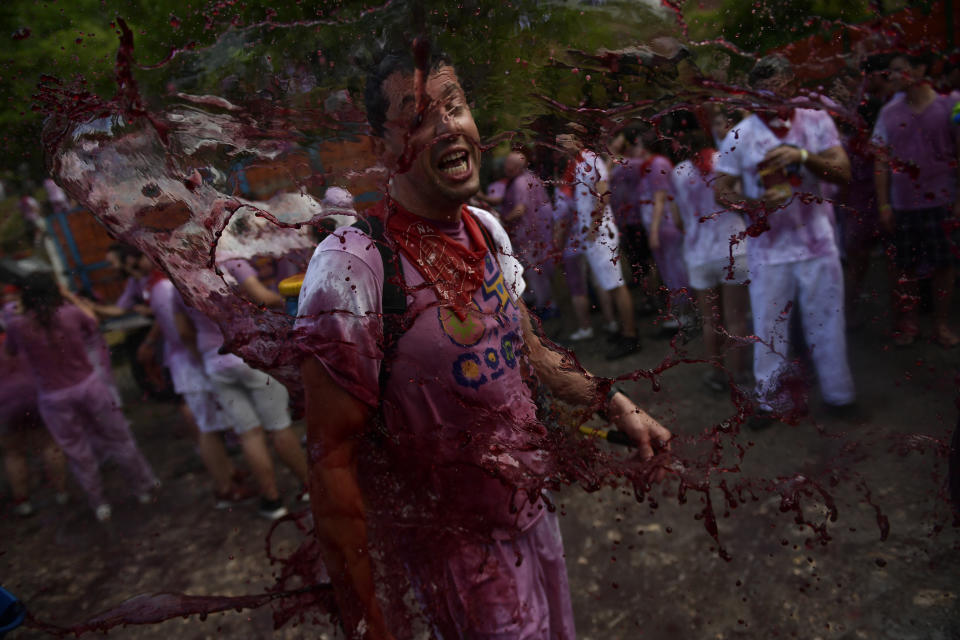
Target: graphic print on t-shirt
(475, 368)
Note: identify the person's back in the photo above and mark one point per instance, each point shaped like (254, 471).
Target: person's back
(624, 184)
(56, 352)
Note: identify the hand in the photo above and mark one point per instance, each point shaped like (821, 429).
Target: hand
(651, 436)
(780, 157)
(775, 197)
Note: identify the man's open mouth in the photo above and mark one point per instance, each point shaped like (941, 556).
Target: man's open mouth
(454, 163)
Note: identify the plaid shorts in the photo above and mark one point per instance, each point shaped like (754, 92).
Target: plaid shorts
(922, 241)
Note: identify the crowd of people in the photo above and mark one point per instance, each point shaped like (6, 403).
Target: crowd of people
(743, 230)
(764, 226)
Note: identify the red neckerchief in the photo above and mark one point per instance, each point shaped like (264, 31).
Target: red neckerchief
(784, 114)
(454, 271)
(703, 161)
(570, 175)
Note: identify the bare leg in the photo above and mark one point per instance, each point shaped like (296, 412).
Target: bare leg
(606, 305)
(906, 298)
(215, 458)
(189, 423)
(581, 309)
(624, 302)
(707, 300)
(254, 445)
(54, 462)
(942, 296)
(736, 309)
(15, 463)
(291, 453)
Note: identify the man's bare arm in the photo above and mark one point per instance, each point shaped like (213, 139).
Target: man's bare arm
(659, 202)
(572, 384)
(260, 294)
(831, 165)
(881, 182)
(336, 422)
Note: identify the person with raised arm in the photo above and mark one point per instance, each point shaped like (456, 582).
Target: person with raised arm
(427, 458)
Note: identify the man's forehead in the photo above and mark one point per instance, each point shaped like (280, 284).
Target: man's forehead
(441, 83)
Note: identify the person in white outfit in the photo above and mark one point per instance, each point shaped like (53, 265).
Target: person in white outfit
(714, 250)
(594, 219)
(782, 155)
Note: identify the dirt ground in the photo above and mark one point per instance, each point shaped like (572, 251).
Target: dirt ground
(635, 571)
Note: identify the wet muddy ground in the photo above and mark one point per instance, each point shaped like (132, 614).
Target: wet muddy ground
(635, 571)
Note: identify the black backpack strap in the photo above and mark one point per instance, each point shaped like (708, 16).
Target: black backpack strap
(393, 297)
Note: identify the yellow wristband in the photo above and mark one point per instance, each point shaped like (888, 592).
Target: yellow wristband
(804, 154)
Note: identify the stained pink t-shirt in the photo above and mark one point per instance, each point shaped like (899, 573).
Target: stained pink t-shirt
(923, 150)
(57, 356)
(209, 340)
(532, 234)
(633, 186)
(457, 408)
(132, 294)
(708, 229)
(803, 229)
(185, 371)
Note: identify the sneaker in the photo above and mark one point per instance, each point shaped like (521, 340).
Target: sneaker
(272, 509)
(23, 508)
(584, 333)
(103, 512)
(304, 495)
(612, 327)
(623, 346)
(233, 496)
(61, 498)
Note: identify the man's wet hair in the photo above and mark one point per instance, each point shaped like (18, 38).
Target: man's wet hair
(769, 67)
(385, 65)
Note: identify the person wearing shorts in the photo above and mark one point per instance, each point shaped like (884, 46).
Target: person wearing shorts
(714, 250)
(601, 246)
(917, 195)
(400, 432)
(190, 381)
(253, 404)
